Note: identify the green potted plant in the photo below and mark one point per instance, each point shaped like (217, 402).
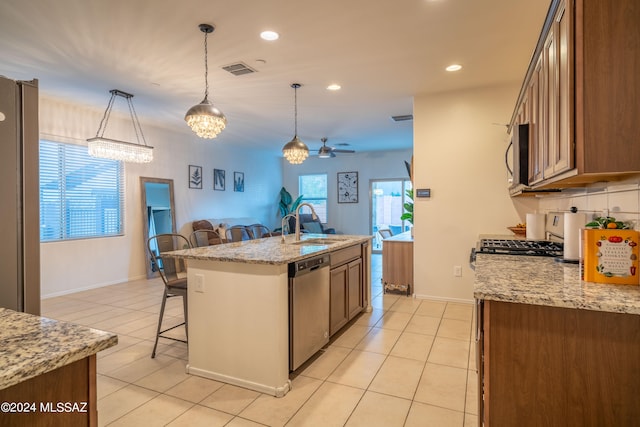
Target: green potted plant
(408, 207)
(287, 204)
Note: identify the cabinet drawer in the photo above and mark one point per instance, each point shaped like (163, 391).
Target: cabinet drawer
(342, 256)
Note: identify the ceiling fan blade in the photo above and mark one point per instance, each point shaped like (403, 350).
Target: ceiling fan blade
(335, 150)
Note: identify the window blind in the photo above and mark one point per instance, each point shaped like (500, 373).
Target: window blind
(80, 196)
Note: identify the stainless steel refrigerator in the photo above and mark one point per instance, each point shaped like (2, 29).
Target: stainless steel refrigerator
(19, 201)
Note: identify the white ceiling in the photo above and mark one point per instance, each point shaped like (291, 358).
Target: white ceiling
(382, 53)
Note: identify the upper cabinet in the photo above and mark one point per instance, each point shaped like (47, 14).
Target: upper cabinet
(581, 95)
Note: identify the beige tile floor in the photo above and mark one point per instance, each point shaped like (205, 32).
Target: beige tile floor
(409, 362)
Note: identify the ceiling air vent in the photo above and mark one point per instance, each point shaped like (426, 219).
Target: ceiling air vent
(404, 118)
(238, 69)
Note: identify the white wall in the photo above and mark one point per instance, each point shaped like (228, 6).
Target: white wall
(459, 155)
(81, 264)
(349, 218)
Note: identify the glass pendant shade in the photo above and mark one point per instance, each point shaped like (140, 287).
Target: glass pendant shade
(119, 150)
(113, 149)
(295, 151)
(205, 119)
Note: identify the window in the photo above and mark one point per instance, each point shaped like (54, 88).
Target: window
(80, 196)
(313, 189)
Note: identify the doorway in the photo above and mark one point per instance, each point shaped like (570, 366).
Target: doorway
(387, 206)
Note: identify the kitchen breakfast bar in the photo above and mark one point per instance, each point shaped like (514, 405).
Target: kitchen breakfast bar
(553, 349)
(239, 303)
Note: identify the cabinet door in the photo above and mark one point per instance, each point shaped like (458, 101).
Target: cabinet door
(355, 299)
(556, 56)
(563, 150)
(549, 103)
(338, 292)
(537, 113)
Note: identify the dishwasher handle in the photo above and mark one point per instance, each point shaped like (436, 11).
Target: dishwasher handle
(308, 265)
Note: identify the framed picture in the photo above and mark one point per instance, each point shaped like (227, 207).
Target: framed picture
(347, 187)
(195, 177)
(218, 179)
(238, 181)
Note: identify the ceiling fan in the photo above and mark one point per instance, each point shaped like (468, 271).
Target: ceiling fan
(325, 152)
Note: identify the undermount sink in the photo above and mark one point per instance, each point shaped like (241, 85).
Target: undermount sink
(317, 241)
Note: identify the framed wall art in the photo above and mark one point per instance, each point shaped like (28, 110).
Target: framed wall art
(347, 187)
(218, 179)
(238, 181)
(195, 177)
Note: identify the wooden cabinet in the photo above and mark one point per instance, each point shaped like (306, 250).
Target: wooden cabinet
(338, 303)
(541, 365)
(346, 288)
(555, 136)
(355, 297)
(66, 396)
(581, 92)
(548, 88)
(397, 262)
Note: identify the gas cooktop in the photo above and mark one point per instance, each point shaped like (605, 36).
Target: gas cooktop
(520, 247)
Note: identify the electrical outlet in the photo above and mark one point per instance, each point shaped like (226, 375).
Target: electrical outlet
(199, 283)
(457, 270)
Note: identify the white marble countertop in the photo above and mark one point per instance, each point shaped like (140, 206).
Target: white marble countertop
(271, 250)
(34, 345)
(544, 281)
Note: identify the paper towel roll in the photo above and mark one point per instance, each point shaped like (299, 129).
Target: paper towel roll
(535, 226)
(573, 222)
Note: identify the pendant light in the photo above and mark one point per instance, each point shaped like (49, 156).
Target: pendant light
(119, 150)
(205, 119)
(295, 151)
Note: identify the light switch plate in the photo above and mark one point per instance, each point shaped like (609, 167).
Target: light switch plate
(199, 283)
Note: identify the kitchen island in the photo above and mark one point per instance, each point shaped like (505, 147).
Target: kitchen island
(48, 370)
(238, 297)
(552, 349)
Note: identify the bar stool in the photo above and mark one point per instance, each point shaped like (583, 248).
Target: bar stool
(175, 284)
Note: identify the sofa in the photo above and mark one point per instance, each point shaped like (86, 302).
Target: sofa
(310, 225)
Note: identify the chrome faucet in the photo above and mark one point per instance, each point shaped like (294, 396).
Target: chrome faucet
(313, 215)
(284, 221)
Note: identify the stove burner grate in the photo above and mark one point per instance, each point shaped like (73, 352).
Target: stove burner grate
(521, 247)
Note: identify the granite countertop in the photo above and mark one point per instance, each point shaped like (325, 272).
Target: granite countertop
(544, 281)
(34, 345)
(270, 250)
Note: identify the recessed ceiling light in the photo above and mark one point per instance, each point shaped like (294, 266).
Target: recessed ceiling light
(334, 87)
(454, 67)
(269, 35)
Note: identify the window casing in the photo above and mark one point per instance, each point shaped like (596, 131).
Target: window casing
(80, 196)
(313, 189)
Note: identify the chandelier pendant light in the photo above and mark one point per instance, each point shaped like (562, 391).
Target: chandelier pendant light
(205, 119)
(295, 151)
(120, 150)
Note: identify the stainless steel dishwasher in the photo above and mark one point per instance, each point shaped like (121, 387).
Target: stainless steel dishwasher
(308, 308)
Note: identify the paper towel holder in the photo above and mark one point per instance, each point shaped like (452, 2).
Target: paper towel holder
(562, 259)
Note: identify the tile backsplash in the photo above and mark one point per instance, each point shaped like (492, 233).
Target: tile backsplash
(620, 200)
